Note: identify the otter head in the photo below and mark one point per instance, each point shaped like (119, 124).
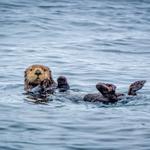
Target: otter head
(35, 75)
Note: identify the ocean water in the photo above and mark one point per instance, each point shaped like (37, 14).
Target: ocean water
(87, 41)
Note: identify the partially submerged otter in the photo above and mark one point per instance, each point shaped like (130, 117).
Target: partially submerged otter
(108, 92)
(39, 82)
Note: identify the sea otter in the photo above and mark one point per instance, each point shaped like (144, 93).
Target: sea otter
(108, 92)
(39, 83)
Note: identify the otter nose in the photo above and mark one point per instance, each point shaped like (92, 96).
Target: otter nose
(38, 72)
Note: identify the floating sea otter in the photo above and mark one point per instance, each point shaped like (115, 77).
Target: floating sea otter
(108, 92)
(39, 81)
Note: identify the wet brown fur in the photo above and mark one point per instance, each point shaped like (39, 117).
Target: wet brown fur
(31, 79)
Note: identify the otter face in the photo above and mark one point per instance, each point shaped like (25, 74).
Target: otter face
(35, 74)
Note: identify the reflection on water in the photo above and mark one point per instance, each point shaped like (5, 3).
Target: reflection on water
(87, 41)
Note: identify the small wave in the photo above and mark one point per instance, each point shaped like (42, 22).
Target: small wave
(51, 7)
(11, 5)
(125, 52)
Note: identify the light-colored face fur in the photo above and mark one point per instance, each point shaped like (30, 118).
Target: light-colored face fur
(35, 74)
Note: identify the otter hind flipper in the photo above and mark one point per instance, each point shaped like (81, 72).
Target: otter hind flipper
(106, 89)
(134, 87)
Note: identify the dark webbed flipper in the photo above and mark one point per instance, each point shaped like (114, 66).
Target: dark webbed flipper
(62, 84)
(107, 90)
(134, 87)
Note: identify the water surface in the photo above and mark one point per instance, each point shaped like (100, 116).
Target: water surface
(87, 41)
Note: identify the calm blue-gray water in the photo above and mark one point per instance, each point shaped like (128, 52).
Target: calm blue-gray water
(87, 41)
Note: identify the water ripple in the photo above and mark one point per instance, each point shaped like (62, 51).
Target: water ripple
(88, 42)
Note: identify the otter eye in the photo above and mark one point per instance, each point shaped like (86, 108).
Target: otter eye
(31, 69)
(45, 70)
